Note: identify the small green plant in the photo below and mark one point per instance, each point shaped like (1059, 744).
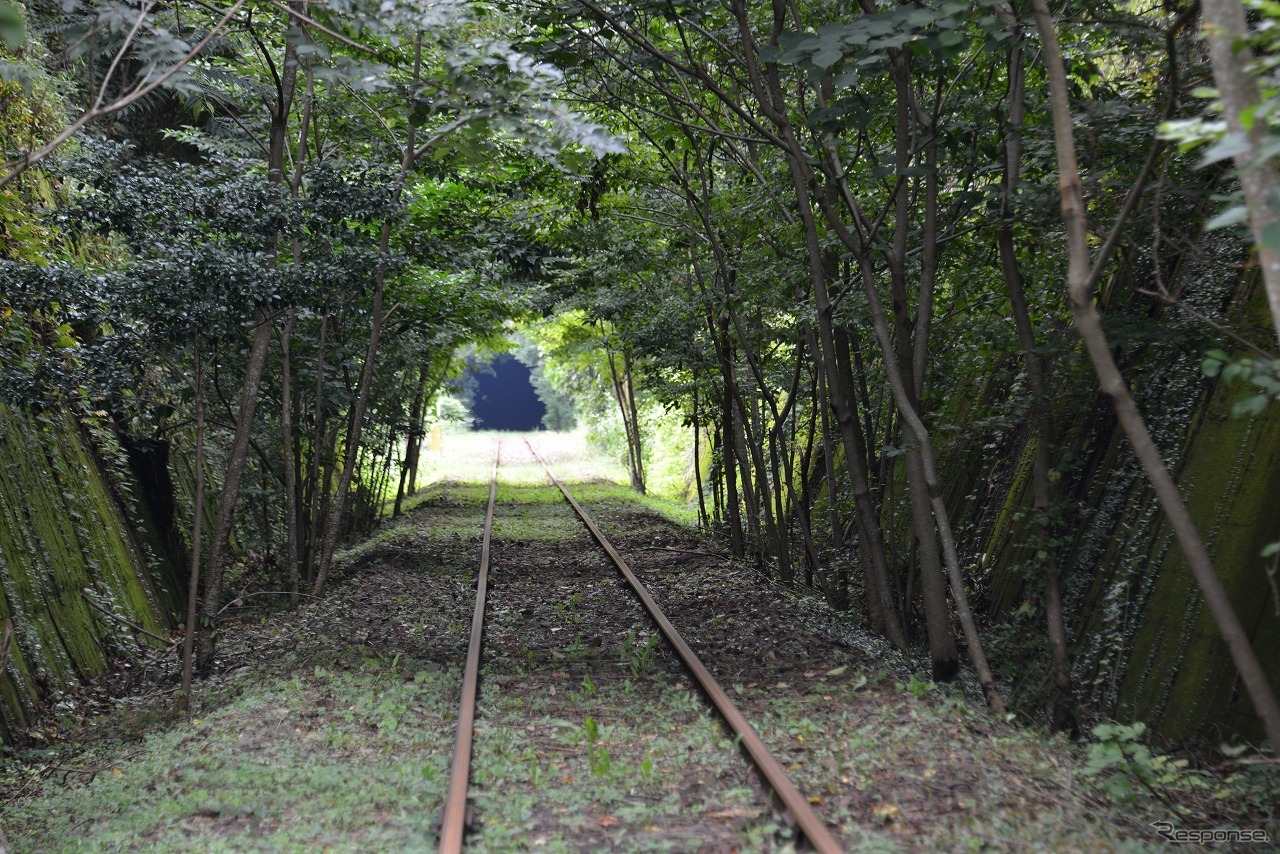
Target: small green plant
(571, 604)
(390, 712)
(637, 656)
(576, 651)
(503, 742)
(535, 772)
(597, 755)
(802, 729)
(919, 688)
(1122, 766)
(589, 688)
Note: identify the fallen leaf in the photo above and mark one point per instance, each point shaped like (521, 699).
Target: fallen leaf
(836, 671)
(607, 821)
(116, 772)
(886, 812)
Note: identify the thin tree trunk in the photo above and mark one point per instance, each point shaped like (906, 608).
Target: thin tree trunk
(1088, 321)
(1062, 713)
(747, 484)
(870, 537)
(703, 521)
(629, 380)
(197, 538)
(286, 445)
(378, 318)
(420, 430)
(238, 457)
(626, 407)
(236, 463)
(293, 502)
(910, 354)
(733, 512)
(317, 454)
(409, 471)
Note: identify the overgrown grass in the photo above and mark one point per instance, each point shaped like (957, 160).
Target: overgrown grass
(620, 496)
(332, 759)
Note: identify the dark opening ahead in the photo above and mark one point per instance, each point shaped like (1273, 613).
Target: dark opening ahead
(505, 399)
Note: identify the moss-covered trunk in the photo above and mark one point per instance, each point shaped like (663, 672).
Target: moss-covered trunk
(63, 541)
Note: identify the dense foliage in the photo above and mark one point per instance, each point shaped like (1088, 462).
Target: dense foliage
(813, 275)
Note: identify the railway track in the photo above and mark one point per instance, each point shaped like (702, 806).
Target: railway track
(453, 820)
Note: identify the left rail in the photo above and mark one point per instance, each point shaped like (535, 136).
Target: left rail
(453, 822)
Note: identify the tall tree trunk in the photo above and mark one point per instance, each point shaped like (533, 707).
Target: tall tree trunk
(314, 510)
(909, 350)
(286, 445)
(703, 521)
(623, 394)
(1062, 712)
(629, 381)
(413, 443)
(238, 458)
(733, 511)
(378, 318)
(292, 499)
(197, 540)
(870, 537)
(1088, 321)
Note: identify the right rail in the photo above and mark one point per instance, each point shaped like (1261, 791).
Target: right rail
(810, 825)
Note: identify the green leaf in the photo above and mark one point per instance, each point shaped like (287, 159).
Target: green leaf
(1231, 145)
(1213, 362)
(1271, 549)
(1248, 116)
(1252, 405)
(827, 55)
(1231, 216)
(12, 31)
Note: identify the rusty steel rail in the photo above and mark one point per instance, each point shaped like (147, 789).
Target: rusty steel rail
(810, 825)
(452, 823)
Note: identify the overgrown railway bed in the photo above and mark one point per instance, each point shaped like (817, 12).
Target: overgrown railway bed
(331, 727)
(453, 822)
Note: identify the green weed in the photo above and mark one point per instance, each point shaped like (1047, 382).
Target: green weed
(639, 656)
(597, 755)
(1123, 767)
